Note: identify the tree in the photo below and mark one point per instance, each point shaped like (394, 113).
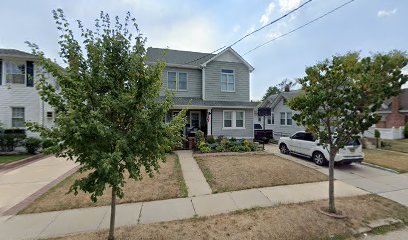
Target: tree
(341, 96)
(286, 83)
(108, 118)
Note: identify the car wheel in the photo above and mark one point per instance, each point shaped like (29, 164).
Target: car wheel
(319, 159)
(284, 149)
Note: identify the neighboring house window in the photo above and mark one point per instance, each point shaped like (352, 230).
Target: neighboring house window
(177, 81)
(259, 119)
(15, 72)
(288, 118)
(272, 118)
(268, 120)
(227, 80)
(17, 117)
(234, 119)
(282, 118)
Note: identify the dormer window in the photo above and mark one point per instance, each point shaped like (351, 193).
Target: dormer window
(15, 72)
(227, 80)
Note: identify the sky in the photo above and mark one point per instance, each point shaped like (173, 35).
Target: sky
(367, 26)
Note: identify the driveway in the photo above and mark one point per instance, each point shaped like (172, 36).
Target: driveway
(18, 184)
(384, 183)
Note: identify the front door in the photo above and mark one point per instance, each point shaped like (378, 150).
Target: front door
(195, 119)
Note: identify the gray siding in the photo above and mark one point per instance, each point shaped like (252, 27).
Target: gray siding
(213, 82)
(217, 124)
(194, 82)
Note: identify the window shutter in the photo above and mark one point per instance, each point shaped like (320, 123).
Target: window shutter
(30, 74)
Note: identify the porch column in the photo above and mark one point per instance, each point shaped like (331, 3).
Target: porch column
(209, 120)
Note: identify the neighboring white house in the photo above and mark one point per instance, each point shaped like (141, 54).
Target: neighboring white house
(19, 99)
(280, 120)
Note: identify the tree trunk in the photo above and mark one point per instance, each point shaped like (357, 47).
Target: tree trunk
(332, 208)
(112, 218)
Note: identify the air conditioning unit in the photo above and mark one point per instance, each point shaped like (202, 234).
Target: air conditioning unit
(50, 114)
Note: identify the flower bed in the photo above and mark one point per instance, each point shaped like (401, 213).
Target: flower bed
(222, 144)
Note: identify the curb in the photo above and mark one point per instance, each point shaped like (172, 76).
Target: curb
(379, 167)
(20, 163)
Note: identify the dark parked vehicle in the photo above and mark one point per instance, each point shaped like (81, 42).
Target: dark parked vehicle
(261, 135)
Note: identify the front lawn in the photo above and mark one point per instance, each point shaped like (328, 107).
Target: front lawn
(400, 145)
(169, 183)
(237, 172)
(283, 222)
(393, 160)
(13, 158)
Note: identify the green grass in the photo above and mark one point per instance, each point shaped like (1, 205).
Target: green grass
(13, 158)
(180, 178)
(400, 145)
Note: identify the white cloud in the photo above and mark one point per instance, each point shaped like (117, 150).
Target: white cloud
(385, 13)
(236, 28)
(268, 12)
(251, 29)
(287, 5)
(272, 35)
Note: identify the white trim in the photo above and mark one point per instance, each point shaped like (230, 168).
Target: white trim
(228, 74)
(205, 107)
(175, 65)
(234, 53)
(286, 118)
(233, 120)
(209, 120)
(199, 118)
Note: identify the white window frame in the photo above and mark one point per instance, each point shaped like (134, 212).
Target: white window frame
(228, 74)
(17, 63)
(286, 119)
(199, 118)
(280, 118)
(12, 117)
(272, 118)
(177, 81)
(233, 118)
(291, 119)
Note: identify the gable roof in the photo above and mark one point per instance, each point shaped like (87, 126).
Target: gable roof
(403, 101)
(229, 49)
(274, 99)
(15, 53)
(178, 58)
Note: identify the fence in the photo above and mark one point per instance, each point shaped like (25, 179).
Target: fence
(386, 133)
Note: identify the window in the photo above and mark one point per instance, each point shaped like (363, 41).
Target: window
(272, 118)
(49, 114)
(17, 117)
(227, 119)
(288, 118)
(268, 120)
(282, 118)
(195, 119)
(239, 121)
(182, 81)
(15, 72)
(177, 81)
(234, 119)
(259, 119)
(227, 80)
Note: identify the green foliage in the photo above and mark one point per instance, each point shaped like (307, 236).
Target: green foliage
(377, 133)
(32, 144)
(406, 130)
(47, 143)
(8, 142)
(210, 139)
(199, 137)
(220, 148)
(270, 91)
(107, 118)
(204, 148)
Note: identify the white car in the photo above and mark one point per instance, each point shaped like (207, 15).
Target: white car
(304, 144)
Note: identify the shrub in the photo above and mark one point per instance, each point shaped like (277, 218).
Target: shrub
(210, 139)
(212, 146)
(8, 142)
(46, 143)
(235, 148)
(220, 148)
(377, 133)
(224, 142)
(220, 138)
(406, 130)
(233, 139)
(32, 144)
(203, 147)
(253, 146)
(199, 137)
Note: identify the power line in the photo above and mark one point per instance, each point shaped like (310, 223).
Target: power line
(256, 30)
(300, 27)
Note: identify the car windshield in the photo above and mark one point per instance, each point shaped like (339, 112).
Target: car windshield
(354, 142)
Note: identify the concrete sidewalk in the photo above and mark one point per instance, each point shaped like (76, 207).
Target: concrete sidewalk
(196, 183)
(59, 223)
(18, 184)
(384, 183)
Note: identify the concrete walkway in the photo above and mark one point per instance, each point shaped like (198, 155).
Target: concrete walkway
(401, 234)
(18, 184)
(59, 223)
(384, 183)
(194, 178)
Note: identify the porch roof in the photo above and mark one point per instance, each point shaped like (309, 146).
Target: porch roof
(200, 103)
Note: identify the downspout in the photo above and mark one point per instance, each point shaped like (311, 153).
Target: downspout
(203, 82)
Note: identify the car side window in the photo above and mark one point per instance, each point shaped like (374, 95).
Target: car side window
(309, 137)
(298, 136)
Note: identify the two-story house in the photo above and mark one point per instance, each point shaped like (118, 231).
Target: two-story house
(19, 99)
(215, 88)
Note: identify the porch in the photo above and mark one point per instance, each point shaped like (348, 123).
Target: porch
(197, 120)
